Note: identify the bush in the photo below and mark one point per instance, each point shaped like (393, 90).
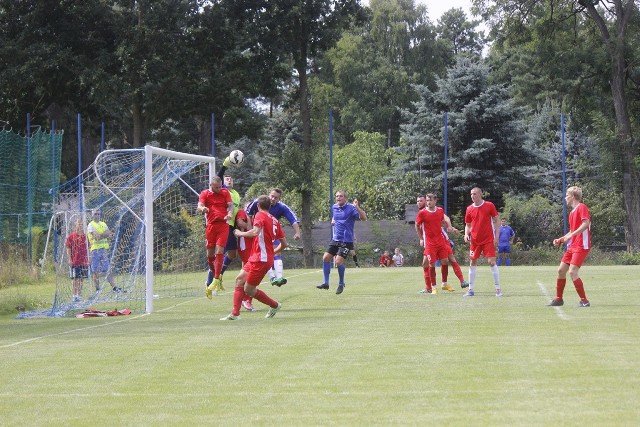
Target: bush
(627, 258)
(14, 267)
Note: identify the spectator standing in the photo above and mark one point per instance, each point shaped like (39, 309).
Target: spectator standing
(76, 245)
(505, 240)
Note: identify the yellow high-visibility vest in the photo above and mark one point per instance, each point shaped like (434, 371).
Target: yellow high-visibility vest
(103, 243)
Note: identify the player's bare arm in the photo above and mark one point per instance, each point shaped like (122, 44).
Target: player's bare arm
(585, 224)
(280, 247)
(251, 233)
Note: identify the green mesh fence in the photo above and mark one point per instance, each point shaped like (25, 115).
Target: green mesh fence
(29, 177)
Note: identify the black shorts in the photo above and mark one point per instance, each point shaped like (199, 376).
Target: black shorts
(79, 272)
(341, 249)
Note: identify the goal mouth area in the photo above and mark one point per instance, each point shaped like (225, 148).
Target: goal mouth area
(148, 199)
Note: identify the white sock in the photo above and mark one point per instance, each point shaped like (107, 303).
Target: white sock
(472, 276)
(277, 264)
(272, 274)
(496, 276)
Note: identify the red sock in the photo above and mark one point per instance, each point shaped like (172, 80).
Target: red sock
(247, 298)
(212, 263)
(560, 287)
(217, 265)
(238, 295)
(580, 288)
(434, 283)
(458, 271)
(427, 277)
(264, 298)
(444, 270)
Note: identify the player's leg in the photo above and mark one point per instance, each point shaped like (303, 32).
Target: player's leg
(474, 254)
(577, 260)
(327, 259)
(341, 255)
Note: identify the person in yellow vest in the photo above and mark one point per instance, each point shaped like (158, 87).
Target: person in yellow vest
(99, 235)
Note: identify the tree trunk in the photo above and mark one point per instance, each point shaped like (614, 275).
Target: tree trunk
(305, 116)
(137, 121)
(615, 45)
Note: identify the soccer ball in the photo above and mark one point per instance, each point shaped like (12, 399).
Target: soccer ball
(236, 157)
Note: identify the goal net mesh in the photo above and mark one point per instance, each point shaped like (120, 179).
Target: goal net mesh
(114, 185)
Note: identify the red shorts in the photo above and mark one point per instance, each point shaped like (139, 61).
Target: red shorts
(256, 271)
(488, 250)
(217, 234)
(574, 256)
(434, 253)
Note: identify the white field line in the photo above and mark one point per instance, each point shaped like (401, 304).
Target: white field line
(559, 311)
(124, 319)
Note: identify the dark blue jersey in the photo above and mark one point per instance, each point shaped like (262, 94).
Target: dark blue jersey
(344, 218)
(278, 210)
(505, 236)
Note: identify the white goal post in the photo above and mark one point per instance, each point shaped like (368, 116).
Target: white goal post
(148, 198)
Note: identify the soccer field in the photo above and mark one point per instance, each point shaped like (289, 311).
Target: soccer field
(379, 354)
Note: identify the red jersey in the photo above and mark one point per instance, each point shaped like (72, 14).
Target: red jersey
(481, 220)
(270, 230)
(245, 244)
(386, 260)
(580, 241)
(77, 242)
(430, 222)
(217, 203)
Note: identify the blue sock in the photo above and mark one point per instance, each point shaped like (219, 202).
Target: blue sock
(499, 261)
(341, 269)
(209, 277)
(508, 260)
(326, 269)
(225, 264)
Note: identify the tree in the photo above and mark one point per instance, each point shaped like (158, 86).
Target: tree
(303, 30)
(460, 33)
(486, 137)
(612, 21)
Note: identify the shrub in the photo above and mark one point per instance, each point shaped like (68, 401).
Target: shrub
(14, 267)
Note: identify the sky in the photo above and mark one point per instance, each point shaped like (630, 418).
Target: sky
(436, 8)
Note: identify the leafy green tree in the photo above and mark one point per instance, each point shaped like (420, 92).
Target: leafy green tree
(358, 166)
(615, 23)
(302, 31)
(461, 33)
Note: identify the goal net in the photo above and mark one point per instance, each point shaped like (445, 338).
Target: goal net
(148, 199)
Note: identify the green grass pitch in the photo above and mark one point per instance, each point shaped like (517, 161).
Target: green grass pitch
(379, 354)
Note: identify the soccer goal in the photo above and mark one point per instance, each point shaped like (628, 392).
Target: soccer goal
(148, 199)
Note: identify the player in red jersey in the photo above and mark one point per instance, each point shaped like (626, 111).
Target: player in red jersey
(429, 223)
(482, 224)
(421, 202)
(245, 244)
(216, 203)
(577, 250)
(266, 229)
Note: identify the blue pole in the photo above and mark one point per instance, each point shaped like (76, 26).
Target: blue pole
(29, 184)
(564, 175)
(213, 134)
(445, 184)
(80, 192)
(330, 164)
